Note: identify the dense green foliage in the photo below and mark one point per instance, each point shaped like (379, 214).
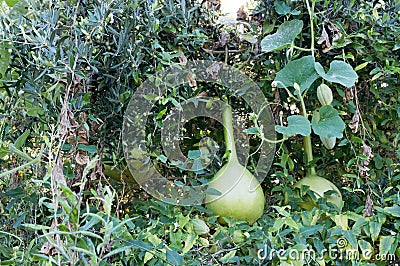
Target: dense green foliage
(68, 70)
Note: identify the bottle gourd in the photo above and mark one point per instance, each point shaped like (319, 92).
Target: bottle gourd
(242, 197)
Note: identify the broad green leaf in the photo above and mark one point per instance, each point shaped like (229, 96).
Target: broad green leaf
(147, 256)
(249, 38)
(162, 158)
(20, 219)
(174, 257)
(318, 245)
(189, 242)
(339, 72)
(300, 71)
(386, 244)
(278, 224)
(154, 239)
(228, 256)
(33, 110)
(327, 123)
(213, 192)
(182, 220)
(19, 8)
(310, 230)
(374, 230)
(11, 3)
(359, 222)
(127, 221)
(4, 62)
(351, 237)
(89, 148)
(297, 124)
(366, 249)
(65, 205)
(14, 193)
(90, 223)
(139, 244)
(394, 210)
(281, 8)
(283, 37)
(291, 223)
(342, 220)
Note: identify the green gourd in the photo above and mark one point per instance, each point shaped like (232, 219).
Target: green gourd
(319, 186)
(325, 97)
(324, 94)
(242, 197)
(329, 143)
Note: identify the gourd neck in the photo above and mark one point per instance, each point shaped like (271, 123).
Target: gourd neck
(228, 134)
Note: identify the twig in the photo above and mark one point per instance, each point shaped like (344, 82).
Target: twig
(223, 52)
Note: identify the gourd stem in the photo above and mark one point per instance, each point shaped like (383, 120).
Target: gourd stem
(307, 139)
(308, 150)
(228, 133)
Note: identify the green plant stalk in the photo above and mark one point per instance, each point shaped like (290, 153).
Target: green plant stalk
(311, 14)
(228, 133)
(307, 139)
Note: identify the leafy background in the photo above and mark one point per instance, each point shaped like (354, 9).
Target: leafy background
(68, 70)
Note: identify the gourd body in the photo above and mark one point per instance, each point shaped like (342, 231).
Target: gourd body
(329, 143)
(319, 186)
(242, 197)
(324, 94)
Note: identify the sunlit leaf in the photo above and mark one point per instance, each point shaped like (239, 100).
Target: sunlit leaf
(300, 71)
(174, 257)
(339, 72)
(297, 124)
(281, 8)
(310, 230)
(351, 238)
(326, 122)
(374, 230)
(386, 244)
(394, 210)
(89, 148)
(11, 3)
(283, 37)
